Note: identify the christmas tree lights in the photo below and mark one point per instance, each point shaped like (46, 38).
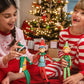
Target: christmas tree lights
(51, 19)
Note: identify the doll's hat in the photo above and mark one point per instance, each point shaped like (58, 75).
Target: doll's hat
(42, 43)
(19, 49)
(66, 44)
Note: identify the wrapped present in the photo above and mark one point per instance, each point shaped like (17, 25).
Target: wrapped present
(54, 44)
(37, 40)
(36, 47)
(53, 52)
(30, 44)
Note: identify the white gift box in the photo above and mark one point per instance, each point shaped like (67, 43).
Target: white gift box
(30, 44)
(53, 44)
(36, 47)
(37, 40)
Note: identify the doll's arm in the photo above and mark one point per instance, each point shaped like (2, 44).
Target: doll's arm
(29, 61)
(35, 60)
(50, 58)
(59, 58)
(21, 64)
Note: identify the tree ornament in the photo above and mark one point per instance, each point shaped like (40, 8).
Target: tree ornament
(47, 27)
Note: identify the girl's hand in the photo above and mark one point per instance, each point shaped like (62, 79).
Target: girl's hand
(73, 79)
(5, 81)
(64, 63)
(13, 52)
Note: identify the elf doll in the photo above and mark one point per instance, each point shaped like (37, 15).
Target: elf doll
(23, 62)
(67, 57)
(41, 59)
(44, 15)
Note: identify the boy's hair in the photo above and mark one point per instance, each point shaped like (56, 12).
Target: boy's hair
(79, 5)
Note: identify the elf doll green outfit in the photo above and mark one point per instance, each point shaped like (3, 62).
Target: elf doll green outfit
(41, 59)
(23, 62)
(67, 57)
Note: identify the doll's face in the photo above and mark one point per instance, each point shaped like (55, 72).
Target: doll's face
(23, 51)
(42, 50)
(66, 50)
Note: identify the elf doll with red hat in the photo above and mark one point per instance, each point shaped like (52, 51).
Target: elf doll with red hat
(41, 60)
(23, 60)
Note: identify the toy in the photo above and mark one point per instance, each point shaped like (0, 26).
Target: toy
(44, 15)
(41, 58)
(67, 57)
(23, 60)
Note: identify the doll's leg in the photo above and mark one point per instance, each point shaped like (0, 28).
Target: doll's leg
(45, 74)
(41, 72)
(68, 69)
(64, 73)
(27, 76)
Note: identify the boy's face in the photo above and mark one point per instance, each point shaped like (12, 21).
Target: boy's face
(23, 51)
(78, 19)
(42, 50)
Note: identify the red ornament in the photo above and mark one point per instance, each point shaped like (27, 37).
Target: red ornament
(44, 16)
(26, 28)
(24, 25)
(59, 1)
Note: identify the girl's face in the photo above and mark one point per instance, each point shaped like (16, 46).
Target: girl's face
(7, 19)
(78, 18)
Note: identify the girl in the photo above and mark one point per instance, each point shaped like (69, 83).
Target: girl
(9, 38)
(75, 37)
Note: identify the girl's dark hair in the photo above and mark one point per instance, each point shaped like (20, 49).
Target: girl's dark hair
(13, 32)
(5, 4)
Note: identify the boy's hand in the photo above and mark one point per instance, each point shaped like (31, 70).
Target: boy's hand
(73, 79)
(64, 63)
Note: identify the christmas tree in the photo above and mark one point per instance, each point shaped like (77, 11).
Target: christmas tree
(51, 19)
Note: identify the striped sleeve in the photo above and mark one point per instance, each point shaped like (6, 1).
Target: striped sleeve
(81, 55)
(62, 39)
(53, 70)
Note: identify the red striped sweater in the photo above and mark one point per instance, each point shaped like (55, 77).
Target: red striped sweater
(76, 43)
